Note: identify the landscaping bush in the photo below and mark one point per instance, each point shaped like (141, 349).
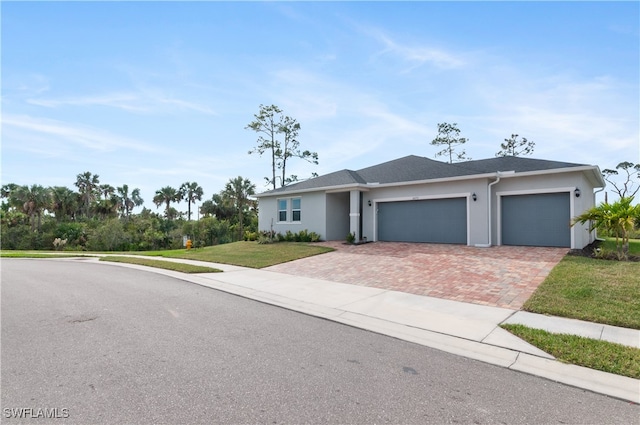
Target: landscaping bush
(301, 236)
(250, 236)
(351, 238)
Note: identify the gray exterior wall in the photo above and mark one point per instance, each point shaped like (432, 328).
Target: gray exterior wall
(313, 214)
(328, 214)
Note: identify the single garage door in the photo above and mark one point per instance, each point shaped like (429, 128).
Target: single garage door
(536, 220)
(433, 220)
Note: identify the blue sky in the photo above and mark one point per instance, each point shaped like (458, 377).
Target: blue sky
(152, 94)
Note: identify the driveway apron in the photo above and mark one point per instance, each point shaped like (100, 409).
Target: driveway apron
(502, 276)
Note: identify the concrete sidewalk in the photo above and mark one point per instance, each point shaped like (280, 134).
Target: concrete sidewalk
(464, 329)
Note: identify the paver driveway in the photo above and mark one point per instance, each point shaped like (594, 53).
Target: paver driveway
(503, 276)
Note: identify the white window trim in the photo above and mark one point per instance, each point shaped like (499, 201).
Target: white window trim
(289, 210)
(296, 209)
(278, 210)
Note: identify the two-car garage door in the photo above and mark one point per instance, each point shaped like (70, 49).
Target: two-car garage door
(536, 220)
(541, 219)
(432, 220)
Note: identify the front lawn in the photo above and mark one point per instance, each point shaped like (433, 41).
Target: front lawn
(246, 254)
(601, 291)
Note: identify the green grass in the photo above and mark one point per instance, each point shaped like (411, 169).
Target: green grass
(601, 291)
(246, 254)
(634, 245)
(167, 265)
(595, 354)
(31, 254)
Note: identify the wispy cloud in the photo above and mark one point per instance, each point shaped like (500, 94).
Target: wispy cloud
(63, 134)
(26, 85)
(561, 113)
(416, 54)
(145, 101)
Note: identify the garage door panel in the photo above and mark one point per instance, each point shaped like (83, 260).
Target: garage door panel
(536, 220)
(434, 220)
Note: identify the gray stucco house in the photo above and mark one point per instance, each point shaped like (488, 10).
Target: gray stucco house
(496, 201)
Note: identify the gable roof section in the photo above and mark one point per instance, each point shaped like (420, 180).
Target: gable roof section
(417, 168)
(411, 168)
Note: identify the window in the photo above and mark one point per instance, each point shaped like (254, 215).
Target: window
(282, 210)
(295, 209)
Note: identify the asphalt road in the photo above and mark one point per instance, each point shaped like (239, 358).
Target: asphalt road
(96, 343)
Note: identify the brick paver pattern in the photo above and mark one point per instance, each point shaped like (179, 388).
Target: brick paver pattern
(502, 276)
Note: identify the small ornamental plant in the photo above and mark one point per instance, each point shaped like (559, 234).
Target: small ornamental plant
(351, 238)
(58, 243)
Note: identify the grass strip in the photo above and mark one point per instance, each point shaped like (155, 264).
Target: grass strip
(601, 291)
(592, 353)
(27, 254)
(246, 254)
(167, 265)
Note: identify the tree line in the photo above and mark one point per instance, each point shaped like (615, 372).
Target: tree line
(100, 216)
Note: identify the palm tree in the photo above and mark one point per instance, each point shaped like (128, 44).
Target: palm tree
(35, 200)
(64, 202)
(618, 218)
(87, 184)
(191, 193)
(238, 191)
(126, 203)
(166, 196)
(11, 192)
(217, 206)
(106, 191)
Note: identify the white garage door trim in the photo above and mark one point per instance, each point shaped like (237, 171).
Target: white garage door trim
(499, 196)
(421, 198)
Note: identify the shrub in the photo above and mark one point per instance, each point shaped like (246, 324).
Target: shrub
(264, 239)
(302, 236)
(351, 237)
(250, 236)
(108, 237)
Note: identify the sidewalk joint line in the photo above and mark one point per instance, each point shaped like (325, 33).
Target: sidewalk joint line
(516, 360)
(384, 291)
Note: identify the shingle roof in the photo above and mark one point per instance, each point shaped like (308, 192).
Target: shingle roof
(418, 168)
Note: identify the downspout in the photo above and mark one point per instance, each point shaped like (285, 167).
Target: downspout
(487, 245)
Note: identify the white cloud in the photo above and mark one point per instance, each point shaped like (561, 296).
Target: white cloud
(416, 55)
(60, 133)
(143, 101)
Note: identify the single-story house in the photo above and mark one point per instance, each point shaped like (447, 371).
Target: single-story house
(496, 201)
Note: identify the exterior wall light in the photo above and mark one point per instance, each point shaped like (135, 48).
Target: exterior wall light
(577, 192)
(474, 197)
